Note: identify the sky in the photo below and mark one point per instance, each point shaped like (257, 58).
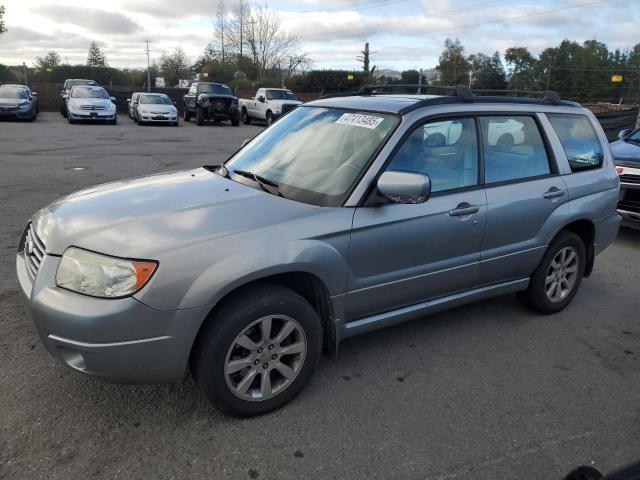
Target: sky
(403, 34)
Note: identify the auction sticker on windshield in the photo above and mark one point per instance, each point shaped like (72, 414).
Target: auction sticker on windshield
(360, 120)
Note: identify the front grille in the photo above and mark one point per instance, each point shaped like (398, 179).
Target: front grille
(220, 105)
(626, 178)
(287, 108)
(34, 252)
(92, 107)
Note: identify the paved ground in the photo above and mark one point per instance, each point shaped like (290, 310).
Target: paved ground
(488, 391)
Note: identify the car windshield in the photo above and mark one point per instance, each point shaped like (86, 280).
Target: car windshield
(214, 88)
(312, 155)
(89, 92)
(634, 137)
(14, 93)
(156, 99)
(74, 83)
(280, 95)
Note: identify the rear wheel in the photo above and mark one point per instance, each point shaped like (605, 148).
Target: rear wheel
(258, 351)
(199, 117)
(558, 277)
(186, 114)
(246, 119)
(235, 120)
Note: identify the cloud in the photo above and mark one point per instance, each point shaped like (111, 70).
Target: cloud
(97, 21)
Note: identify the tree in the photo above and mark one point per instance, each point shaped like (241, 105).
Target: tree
(221, 27)
(411, 77)
(2, 27)
(96, 57)
(174, 66)
(452, 64)
(521, 68)
(50, 60)
(487, 73)
(5, 74)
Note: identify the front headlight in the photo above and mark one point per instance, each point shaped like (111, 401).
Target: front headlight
(102, 276)
(277, 108)
(111, 107)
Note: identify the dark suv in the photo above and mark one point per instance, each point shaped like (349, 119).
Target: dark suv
(211, 101)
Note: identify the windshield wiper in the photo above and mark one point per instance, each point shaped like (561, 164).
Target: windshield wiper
(261, 181)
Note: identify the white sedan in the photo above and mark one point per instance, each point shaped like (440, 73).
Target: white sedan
(155, 108)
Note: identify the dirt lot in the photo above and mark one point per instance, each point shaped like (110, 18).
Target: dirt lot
(488, 391)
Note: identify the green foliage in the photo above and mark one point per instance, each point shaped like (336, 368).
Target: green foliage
(329, 81)
(521, 63)
(2, 27)
(411, 76)
(487, 72)
(5, 74)
(96, 57)
(103, 75)
(50, 60)
(453, 65)
(174, 67)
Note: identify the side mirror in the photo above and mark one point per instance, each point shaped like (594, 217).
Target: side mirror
(404, 187)
(113, 99)
(261, 99)
(624, 133)
(244, 142)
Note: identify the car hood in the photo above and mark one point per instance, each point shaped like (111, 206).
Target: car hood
(625, 151)
(139, 218)
(286, 102)
(89, 101)
(12, 102)
(156, 107)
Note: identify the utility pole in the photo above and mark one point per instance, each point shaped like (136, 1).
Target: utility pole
(24, 69)
(148, 67)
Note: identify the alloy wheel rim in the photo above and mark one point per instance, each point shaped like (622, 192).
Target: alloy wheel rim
(265, 358)
(562, 274)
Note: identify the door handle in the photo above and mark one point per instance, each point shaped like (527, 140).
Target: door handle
(553, 192)
(464, 209)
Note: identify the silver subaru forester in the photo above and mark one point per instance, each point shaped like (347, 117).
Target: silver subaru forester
(349, 214)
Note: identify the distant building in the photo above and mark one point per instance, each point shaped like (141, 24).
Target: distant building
(431, 75)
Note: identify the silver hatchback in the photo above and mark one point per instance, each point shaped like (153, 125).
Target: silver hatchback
(348, 215)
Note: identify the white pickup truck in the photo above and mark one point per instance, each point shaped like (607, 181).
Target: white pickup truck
(268, 104)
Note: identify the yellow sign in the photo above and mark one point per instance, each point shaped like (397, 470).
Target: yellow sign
(49, 69)
(205, 74)
(616, 78)
(350, 76)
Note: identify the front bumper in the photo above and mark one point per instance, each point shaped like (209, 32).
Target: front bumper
(163, 118)
(629, 201)
(15, 113)
(91, 116)
(120, 340)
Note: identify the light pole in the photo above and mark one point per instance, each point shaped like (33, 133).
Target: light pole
(148, 67)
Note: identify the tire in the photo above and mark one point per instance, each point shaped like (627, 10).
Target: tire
(536, 297)
(246, 119)
(114, 121)
(235, 120)
(175, 124)
(505, 142)
(65, 112)
(199, 117)
(186, 114)
(269, 117)
(217, 345)
(62, 109)
(70, 120)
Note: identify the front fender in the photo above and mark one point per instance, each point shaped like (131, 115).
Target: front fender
(311, 256)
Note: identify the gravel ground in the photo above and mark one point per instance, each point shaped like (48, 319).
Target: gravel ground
(484, 391)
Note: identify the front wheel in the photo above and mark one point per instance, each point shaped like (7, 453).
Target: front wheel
(258, 351)
(557, 278)
(269, 118)
(186, 114)
(235, 120)
(199, 117)
(246, 119)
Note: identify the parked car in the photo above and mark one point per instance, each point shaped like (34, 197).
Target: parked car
(155, 108)
(132, 104)
(66, 89)
(92, 104)
(337, 220)
(626, 154)
(211, 101)
(32, 94)
(15, 102)
(268, 104)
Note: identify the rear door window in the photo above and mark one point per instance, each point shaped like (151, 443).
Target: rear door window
(579, 141)
(513, 149)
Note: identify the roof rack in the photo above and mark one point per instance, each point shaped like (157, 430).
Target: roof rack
(459, 93)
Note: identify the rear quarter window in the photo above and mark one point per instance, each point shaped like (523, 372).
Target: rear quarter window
(579, 140)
